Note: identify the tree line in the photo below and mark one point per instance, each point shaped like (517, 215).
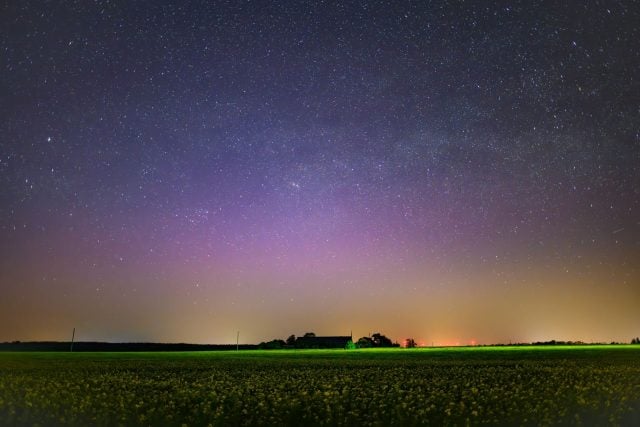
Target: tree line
(311, 340)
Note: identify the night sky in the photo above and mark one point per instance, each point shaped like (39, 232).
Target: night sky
(454, 172)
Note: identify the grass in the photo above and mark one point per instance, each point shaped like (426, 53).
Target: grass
(438, 386)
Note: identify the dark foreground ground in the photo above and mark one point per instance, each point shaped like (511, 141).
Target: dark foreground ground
(497, 385)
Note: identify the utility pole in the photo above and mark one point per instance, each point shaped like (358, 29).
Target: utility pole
(73, 335)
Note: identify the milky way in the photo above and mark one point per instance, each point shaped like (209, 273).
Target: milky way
(447, 171)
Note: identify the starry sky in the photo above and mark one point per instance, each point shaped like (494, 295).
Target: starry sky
(452, 171)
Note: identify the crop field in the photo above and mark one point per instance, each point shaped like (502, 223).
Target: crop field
(591, 385)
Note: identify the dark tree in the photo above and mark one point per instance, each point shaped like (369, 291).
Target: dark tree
(291, 340)
(380, 340)
(309, 335)
(376, 340)
(364, 342)
(410, 343)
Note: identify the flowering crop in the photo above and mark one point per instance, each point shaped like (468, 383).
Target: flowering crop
(394, 387)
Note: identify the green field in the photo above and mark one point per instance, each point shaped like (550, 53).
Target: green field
(590, 385)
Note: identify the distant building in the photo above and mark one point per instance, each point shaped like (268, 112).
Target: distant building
(322, 342)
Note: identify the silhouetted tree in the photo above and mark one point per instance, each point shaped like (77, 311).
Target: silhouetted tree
(376, 340)
(380, 340)
(291, 340)
(635, 341)
(364, 342)
(309, 335)
(410, 343)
